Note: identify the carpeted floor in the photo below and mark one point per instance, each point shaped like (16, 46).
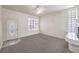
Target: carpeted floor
(38, 43)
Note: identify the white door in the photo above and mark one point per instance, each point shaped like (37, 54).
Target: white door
(12, 32)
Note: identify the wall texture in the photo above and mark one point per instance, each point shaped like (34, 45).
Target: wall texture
(21, 21)
(0, 27)
(54, 24)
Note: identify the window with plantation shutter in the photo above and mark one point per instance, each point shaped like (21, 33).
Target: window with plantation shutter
(33, 24)
(72, 16)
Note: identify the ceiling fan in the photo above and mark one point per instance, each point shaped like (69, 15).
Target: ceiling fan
(38, 9)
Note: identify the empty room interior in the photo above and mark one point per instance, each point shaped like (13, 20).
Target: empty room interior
(39, 29)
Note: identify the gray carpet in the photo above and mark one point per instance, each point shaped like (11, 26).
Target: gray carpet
(38, 43)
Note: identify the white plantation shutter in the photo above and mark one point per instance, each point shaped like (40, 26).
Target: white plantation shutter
(72, 23)
(72, 20)
(33, 24)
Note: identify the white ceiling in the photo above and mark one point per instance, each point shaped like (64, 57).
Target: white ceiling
(31, 9)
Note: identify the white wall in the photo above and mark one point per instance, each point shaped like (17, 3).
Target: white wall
(22, 22)
(0, 28)
(54, 24)
(78, 14)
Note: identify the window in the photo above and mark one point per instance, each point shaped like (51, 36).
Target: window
(72, 16)
(33, 24)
